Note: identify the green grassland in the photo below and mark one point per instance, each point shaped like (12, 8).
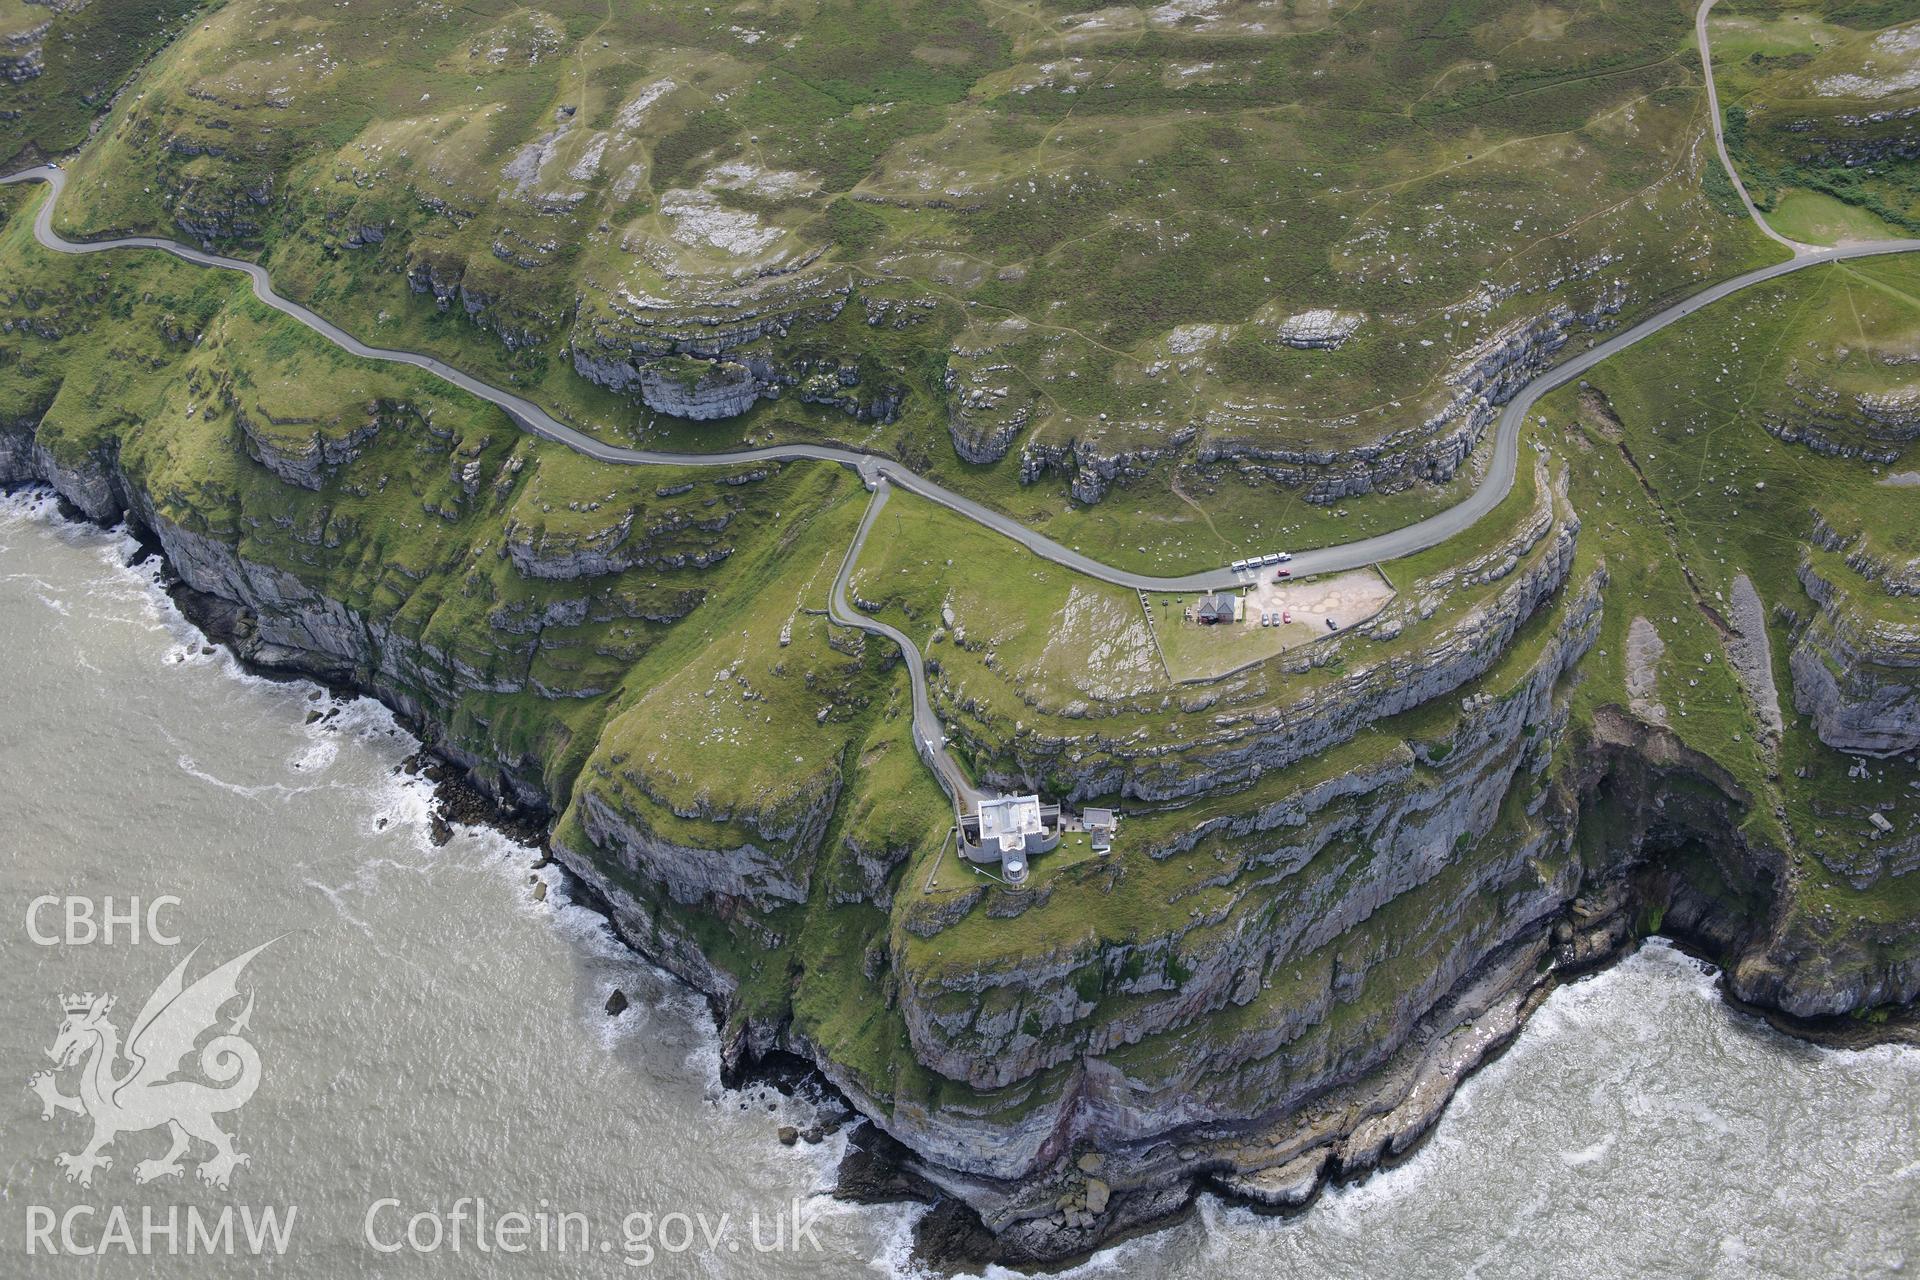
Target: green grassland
(1679, 488)
(1684, 489)
(1046, 676)
(82, 55)
(1815, 93)
(1111, 214)
(1134, 905)
(1108, 216)
(607, 681)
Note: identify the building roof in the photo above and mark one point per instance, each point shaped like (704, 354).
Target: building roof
(1008, 820)
(1098, 818)
(1217, 604)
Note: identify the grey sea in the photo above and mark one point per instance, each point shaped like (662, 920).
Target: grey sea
(441, 1091)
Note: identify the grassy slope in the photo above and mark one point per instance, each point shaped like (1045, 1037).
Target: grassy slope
(1072, 200)
(1652, 482)
(1811, 91)
(158, 362)
(1689, 491)
(86, 54)
(655, 723)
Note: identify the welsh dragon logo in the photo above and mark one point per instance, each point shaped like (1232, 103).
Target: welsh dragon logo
(146, 1094)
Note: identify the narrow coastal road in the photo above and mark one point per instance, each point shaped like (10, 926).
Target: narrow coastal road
(873, 467)
(880, 474)
(929, 737)
(1720, 137)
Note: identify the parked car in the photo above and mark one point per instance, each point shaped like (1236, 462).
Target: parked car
(1332, 625)
(1284, 556)
(1286, 615)
(1282, 575)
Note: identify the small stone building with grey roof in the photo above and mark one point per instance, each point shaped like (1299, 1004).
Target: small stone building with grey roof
(1216, 606)
(1100, 825)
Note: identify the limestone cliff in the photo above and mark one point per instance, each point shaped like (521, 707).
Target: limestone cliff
(1350, 866)
(1857, 674)
(1351, 874)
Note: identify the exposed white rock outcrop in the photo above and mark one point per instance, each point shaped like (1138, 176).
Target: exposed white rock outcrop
(1322, 329)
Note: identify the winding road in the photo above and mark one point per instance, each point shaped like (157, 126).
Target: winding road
(873, 467)
(929, 736)
(881, 474)
(1720, 137)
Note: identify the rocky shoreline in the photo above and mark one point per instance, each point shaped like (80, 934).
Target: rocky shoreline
(457, 801)
(951, 1237)
(1349, 1124)
(1401, 1103)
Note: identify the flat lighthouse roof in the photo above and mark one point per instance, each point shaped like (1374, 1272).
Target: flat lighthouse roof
(1009, 820)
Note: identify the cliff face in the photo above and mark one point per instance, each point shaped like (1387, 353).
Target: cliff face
(988, 410)
(1348, 870)
(1868, 425)
(23, 53)
(1363, 942)
(1855, 673)
(1352, 844)
(1237, 745)
(285, 622)
(701, 243)
(307, 458)
(1481, 380)
(1366, 937)
(1351, 871)
(302, 599)
(718, 356)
